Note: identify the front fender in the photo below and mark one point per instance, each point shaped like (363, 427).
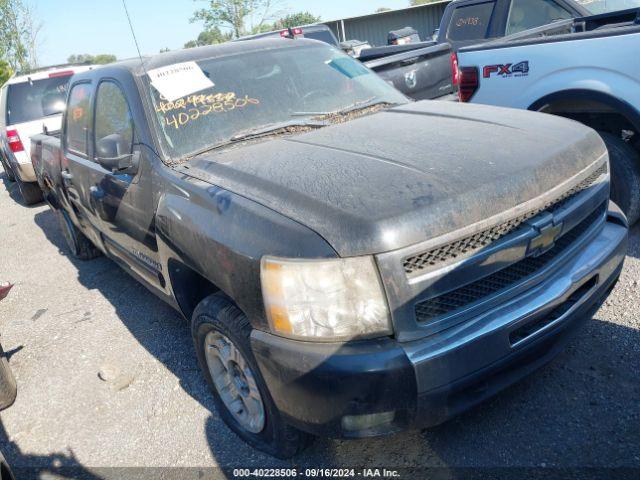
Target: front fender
(223, 237)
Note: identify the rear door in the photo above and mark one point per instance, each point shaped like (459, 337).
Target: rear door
(79, 172)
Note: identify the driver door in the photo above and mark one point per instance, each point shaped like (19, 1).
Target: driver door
(124, 201)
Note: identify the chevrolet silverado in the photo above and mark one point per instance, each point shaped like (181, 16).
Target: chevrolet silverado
(350, 263)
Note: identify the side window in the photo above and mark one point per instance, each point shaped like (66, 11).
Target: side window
(78, 118)
(113, 117)
(471, 23)
(526, 14)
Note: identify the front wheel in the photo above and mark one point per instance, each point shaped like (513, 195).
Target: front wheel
(221, 334)
(625, 176)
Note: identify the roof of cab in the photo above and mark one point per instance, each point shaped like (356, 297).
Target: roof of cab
(139, 68)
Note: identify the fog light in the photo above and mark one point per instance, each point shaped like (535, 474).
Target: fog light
(357, 423)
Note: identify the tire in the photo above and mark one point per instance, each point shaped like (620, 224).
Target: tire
(10, 176)
(78, 244)
(31, 193)
(625, 176)
(8, 388)
(217, 316)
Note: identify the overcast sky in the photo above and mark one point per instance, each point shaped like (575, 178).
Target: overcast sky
(100, 26)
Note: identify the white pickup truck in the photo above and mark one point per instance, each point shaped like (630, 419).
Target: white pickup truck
(585, 69)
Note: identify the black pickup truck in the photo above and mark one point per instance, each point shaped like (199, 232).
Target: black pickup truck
(349, 264)
(421, 70)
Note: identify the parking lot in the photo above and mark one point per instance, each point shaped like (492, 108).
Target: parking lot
(107, 377)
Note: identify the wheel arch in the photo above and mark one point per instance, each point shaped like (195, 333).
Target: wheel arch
(189, 286)
(586, 106)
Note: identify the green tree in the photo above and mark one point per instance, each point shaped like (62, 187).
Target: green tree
(413, 3)
(383, 9)
(104, 58)
(101, 59)
(236, 14)
(209, 37)
(296, 20)
(5, 72)
(19, 31)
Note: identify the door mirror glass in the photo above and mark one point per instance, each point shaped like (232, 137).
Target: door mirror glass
(114, 154)
(110, 146)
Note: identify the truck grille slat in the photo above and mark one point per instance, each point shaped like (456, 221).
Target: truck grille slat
(461, 248)
(462, 297)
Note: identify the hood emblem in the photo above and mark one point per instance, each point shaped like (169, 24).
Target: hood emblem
(411, 79)
(546, 239)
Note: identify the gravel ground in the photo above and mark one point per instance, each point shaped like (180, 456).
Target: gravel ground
(67, 323)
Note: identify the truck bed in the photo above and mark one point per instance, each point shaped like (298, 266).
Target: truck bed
(46, 157)
(422, 74)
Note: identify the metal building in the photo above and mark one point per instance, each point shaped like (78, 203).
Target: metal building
(375, 27)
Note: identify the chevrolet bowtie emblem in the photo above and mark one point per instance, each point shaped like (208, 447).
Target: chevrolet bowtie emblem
(546, 240)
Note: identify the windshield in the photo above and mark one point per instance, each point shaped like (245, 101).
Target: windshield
(34, 100)
(605, 6)
(265, 88)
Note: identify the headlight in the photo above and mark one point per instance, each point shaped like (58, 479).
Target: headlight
(324, 300)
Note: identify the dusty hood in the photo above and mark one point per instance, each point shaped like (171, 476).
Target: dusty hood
(405, 175)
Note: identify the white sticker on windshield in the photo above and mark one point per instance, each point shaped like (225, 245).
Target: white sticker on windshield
(179, 80)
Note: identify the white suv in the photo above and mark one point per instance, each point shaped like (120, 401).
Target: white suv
(28, 104)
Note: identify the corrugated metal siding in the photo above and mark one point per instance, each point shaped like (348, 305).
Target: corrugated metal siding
(375, 28)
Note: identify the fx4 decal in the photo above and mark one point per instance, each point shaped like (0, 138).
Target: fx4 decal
(507, 71)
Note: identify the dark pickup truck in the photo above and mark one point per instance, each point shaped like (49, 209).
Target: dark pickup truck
(350, 266)
(422, 70)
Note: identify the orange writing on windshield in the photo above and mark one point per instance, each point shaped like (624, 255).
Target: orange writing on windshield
(186, 110)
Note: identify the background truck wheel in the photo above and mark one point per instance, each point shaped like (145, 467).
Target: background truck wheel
(79, 245)
(31, 193)
(221, 336)
(8, 388)
(10, 176)
(625, 176)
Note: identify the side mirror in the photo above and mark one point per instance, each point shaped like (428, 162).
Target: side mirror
(109, 153)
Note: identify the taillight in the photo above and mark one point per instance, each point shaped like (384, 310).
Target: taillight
(63, 73)
(287, 33)
(468, 80)
(13, 139)
(454, 69)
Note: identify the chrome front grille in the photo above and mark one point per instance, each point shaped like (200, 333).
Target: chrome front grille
(479, 290)
(455, 251)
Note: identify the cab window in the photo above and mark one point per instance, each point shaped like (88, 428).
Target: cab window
(526, 14)
(113, 117)
(77, 123)
(471, 22)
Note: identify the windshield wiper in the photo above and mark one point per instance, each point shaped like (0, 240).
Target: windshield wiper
(261, 132)
(370, 102)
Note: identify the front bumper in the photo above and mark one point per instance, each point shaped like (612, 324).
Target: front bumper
(425, 382)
